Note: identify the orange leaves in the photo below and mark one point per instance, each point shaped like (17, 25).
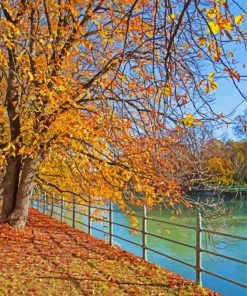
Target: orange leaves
(202, 40)
(215, 50)
(210, 84)
(232, 73)
(221, 22)
(9, 233)
(101, 83)
(88, 44)
(213, 85)
(51, 249)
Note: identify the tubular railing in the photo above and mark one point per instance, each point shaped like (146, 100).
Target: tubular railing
(42, 203)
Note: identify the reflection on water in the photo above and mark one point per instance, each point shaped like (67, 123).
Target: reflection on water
(235, 224)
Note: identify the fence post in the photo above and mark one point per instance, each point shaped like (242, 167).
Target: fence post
(110, 223)
(198, 248)
(52, 203)
(89, 217)
(144, 232)
(73, 213)
(61, 212)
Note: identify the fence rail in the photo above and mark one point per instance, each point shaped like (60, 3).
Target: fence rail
(41, 202)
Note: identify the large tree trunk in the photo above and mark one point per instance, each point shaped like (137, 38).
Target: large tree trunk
(10, 187)
(18, 216)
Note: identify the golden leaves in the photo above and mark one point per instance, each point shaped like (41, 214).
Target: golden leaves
(215, 50)
(85, 129)
(190, 121)
(222, 22)
(172, 17)
(210, 86)
(239, 19)
(2, 114)
(221, 169)
(168, 89)
(213, 27)
(213, 85)
(212, 13)
(211, 75)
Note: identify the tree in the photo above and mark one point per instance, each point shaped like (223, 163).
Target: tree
(225, 163)
(221, 170)
(237, 154)
(89, 87)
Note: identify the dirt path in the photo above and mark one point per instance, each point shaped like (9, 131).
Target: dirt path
(50, 258)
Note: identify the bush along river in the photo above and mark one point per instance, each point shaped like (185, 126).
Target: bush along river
(234, 224)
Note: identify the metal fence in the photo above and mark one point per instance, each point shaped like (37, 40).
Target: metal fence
(48, 204)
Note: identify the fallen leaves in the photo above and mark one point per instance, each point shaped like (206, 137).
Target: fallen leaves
(51, 258)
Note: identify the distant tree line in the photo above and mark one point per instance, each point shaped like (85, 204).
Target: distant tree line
(202, 159)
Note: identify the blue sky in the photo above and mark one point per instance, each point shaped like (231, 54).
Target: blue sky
(228, 100)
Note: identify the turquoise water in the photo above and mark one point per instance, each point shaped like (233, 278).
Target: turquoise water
(234, 224)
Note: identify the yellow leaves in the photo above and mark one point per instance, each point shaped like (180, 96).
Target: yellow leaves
(221, 170)
(226, 24)
(213, 85)
(214, 27)
(212, 13)
(239, 19)
(22, 150)
(168, 89)
(7, 41)
(10, 148)
(49, 46)
(172, 16)
(2, 114)
(30, 75)
(82, 124)
(210, 84)
(11, 29)
(211, 75)
(190, 121)
(220, 23)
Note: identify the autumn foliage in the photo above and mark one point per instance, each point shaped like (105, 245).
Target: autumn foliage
(91, 91)
(51, 258)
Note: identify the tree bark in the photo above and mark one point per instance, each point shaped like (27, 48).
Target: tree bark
(10, 187)
(18, 216)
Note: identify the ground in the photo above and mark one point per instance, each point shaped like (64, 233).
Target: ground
(51, 258)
